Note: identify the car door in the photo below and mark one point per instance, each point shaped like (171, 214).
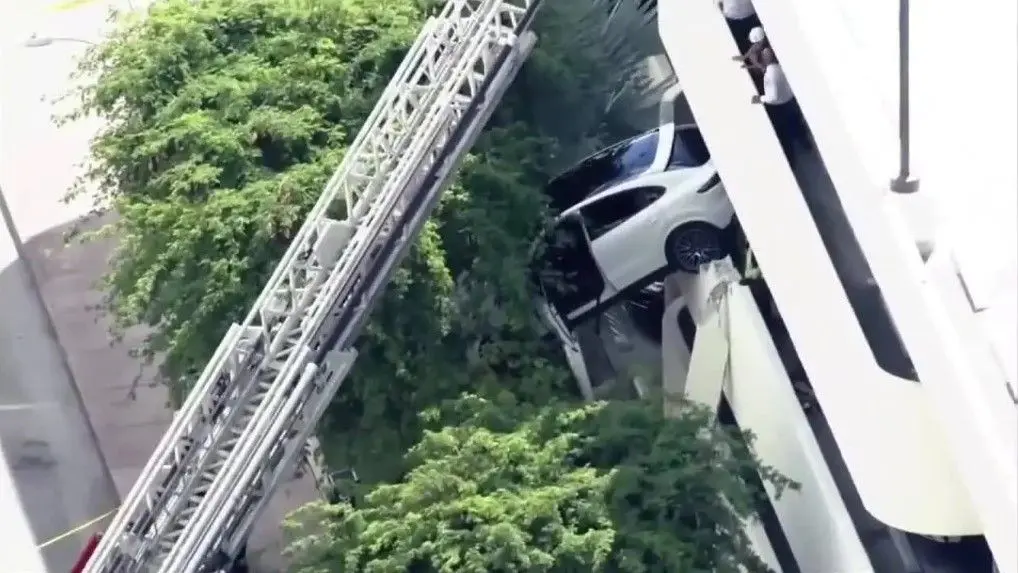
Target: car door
(622, 230)
(570, 278)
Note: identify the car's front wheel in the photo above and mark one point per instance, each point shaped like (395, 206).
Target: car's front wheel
(693, 245)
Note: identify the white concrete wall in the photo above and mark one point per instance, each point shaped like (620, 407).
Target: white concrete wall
(894, 450)
(962, 74)
(49, 450)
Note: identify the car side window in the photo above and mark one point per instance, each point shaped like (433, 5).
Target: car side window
(610, 211)
(688, 148)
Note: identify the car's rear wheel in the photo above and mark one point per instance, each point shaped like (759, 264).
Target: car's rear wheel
(693, 245)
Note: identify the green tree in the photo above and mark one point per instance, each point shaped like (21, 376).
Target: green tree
(224, 119)
(512, 488)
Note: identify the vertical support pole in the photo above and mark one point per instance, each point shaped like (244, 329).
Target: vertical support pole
(59, 478)
(904, 183)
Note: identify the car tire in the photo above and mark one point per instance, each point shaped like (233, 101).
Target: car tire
(692, 245)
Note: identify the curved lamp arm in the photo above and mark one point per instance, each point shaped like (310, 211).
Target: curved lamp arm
(42, 41)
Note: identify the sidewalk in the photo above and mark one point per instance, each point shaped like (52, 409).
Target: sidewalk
(37, 163)
(128, 413)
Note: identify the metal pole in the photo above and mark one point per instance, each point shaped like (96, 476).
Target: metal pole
(904, 182)
(60, 465)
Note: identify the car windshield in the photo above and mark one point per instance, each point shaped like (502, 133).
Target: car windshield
(616, 163)
(688, 148)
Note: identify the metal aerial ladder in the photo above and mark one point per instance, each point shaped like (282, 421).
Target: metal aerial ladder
(242, 429)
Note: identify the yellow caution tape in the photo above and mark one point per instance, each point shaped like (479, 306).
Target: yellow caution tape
(68, 5)
(75, 531)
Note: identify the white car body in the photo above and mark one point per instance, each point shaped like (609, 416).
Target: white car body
(630, 226)
(634, 249)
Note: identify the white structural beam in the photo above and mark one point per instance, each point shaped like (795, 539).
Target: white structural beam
(973, 412)
(733, 352)
(894, 448)
(676, 371)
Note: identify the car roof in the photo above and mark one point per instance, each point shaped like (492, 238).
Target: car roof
(613, 165)
(599, 171)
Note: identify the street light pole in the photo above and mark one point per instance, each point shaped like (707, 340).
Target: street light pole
(39, 382)
(905, 182)
(43, 41)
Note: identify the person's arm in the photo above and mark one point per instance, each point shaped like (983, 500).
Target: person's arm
(752, 57)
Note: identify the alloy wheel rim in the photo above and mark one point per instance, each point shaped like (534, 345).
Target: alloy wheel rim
(696, 247)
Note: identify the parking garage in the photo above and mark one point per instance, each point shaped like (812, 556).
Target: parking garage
(884, 466)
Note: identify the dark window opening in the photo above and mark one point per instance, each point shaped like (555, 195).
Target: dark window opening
(688, 148)
(606, 213)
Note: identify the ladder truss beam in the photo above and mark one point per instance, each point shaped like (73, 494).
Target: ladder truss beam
(244, 426)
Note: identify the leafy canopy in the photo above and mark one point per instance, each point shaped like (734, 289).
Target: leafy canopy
(511, 488)
(224, 119)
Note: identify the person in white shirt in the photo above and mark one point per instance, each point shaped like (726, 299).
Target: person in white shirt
(780, 101)
(775, 85)
(741, 18)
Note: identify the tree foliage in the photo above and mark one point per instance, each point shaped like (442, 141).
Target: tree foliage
(512, 488)
(223, 121)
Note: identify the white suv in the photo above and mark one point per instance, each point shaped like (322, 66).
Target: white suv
(629, 215)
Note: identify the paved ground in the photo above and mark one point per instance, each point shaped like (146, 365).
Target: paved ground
(50, 452)
(58, 474)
